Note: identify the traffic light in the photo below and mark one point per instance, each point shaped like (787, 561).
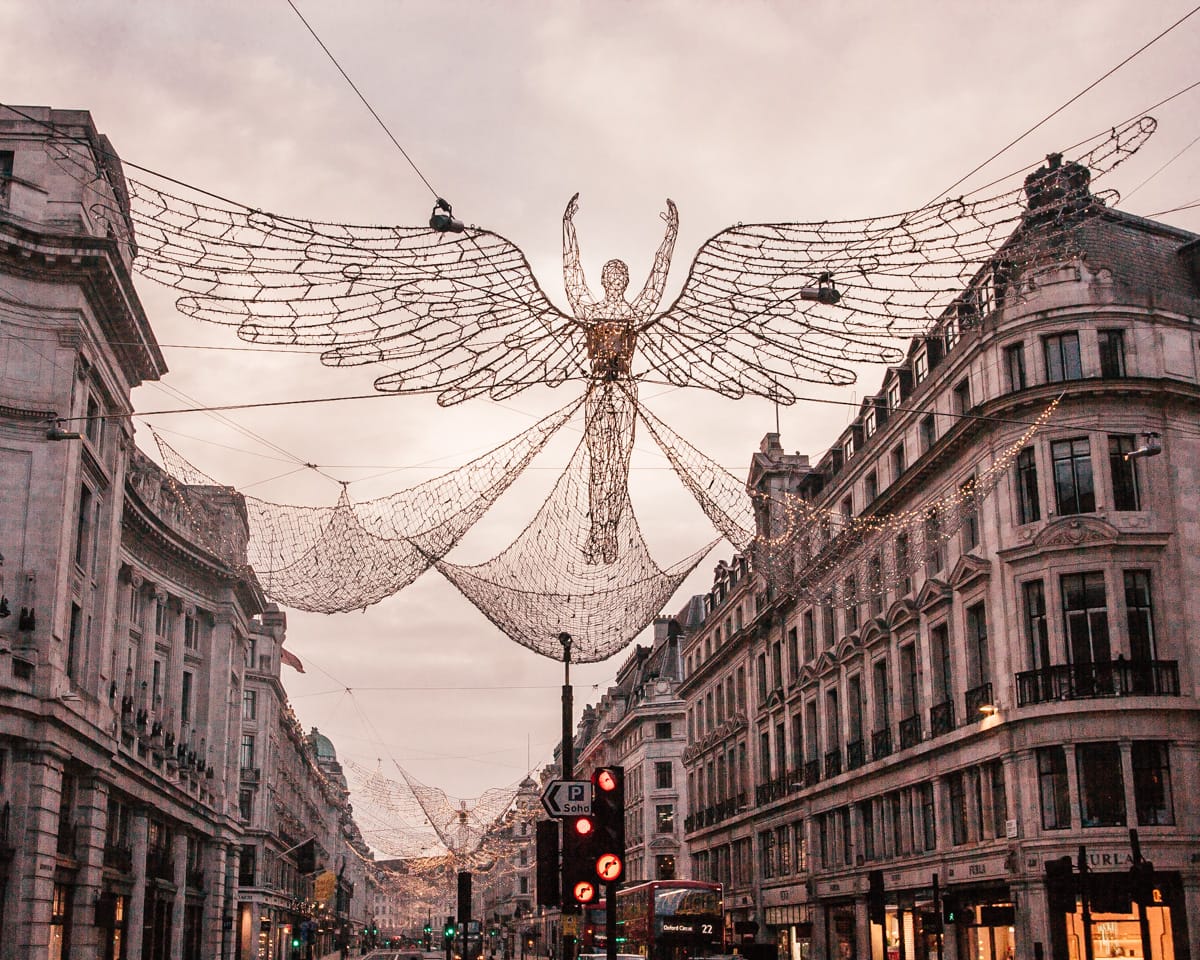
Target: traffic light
(448, 929)
(1060, 885)
(875, 908)
(579, 882)
(608, 806)
(549, 892)
(953, 911)
(1141, 884)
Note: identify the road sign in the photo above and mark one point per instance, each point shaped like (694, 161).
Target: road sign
(568, 798)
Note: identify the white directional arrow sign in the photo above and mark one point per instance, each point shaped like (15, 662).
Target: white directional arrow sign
(568, 798)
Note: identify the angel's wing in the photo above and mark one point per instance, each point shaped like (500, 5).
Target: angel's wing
(458, 314)
(752, 318)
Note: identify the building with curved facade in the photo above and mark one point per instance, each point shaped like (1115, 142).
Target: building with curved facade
(903, 768)
(140, 699)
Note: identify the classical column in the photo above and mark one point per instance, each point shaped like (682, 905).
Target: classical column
(213, 912)
(34, 871)
(179, 857)
(135, 913)
(91, 818)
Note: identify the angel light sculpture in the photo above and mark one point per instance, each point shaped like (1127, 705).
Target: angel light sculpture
(764, 308)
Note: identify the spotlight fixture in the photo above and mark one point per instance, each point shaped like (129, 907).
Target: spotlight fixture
(1151, 447)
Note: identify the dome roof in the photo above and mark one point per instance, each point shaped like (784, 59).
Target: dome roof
(322, 745)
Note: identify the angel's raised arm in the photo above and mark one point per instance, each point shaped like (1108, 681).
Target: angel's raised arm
(648, 299)
(577, 292)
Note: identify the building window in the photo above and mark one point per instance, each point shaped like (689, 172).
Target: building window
(902, 562)
(1124, 472)
(85, 529)
(934, 556)
(247, 755)
(809, 625)
(764, 756)
(662, 729)
(898, 462)
(1101, 785)
(664, 778)
(1085, 616)
(882, 695)
(1152, 783)
(1029, 507)
(190, 633)
(250, 705)
(893, 395)
(246, 804)
(847, 507)
(185, 697)
(920, 367)
(850, 599)
(1037, 631)
(999, 798)
(961, 396)
(928, 431)
(1062, 357)
(848, 448)
(74, 639)
(870, 488)
(777, 666)
(664, 818)
(875, 584)
(162, 618)
(762, 678)
(870, 421)
(958, 807)
(979, 669)
(1112, 354)
(1052, 787)
(1139, 617)
(1014, 367)
(970, 516)
(939, 652)
(1074, 489)
(830, 628)
(793, 644)
(910, 693)
(928, 820)
(246, 865)
(6, 172)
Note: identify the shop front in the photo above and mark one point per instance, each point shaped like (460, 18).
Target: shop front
(791, 926)
(981, 920)
(1107, 918)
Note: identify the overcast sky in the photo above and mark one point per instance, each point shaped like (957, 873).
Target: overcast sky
(738, 111)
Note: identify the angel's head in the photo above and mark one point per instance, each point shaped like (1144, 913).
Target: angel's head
(614, 278)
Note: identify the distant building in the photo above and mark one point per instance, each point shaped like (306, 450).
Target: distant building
(1026, 689)
(149, 763)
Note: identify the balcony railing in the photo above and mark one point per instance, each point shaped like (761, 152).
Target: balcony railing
(910, 731)
(833, 763)
(941, 718)
(1106, 678)
(881, 743)
(977, 697)
(160, 865)
(119, 858)
(856, 754)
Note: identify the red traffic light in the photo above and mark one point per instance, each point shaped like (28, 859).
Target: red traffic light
(584, 826)
(609, 867)
(605, 780)
(584, 891)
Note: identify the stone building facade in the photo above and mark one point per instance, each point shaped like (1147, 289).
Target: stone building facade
(127, 643)
(1027, 691)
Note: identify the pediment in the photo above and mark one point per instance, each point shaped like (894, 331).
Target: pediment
(933, 592)
(969, 569)
(1073, 531)
(900, 613)
(874, 629)
(845, 648)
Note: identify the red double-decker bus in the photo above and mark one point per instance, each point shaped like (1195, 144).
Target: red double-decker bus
(592, 934)
(671, 919)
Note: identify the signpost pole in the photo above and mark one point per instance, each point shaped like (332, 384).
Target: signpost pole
(568, 771)
(610, 920)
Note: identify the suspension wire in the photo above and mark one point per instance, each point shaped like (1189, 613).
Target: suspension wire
(365, 103)
(1053, 113)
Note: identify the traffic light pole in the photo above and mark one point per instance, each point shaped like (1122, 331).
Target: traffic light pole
(610, 920)
(568, 771)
